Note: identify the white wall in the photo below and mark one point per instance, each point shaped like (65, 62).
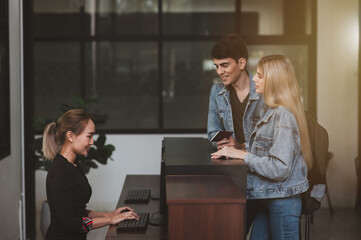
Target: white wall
(337, 97)
(10, 167)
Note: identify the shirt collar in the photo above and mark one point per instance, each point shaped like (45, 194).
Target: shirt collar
(266, 113)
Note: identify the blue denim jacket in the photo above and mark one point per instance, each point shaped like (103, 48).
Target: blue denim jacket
(220, 111)
(275, 165)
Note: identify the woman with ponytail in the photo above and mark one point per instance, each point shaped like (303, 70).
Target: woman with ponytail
(67, 188)
(280, 153)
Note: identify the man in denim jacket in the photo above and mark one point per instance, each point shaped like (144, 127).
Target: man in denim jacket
(234, 104)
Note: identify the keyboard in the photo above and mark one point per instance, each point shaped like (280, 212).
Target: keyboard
(134, 225)
(137, 196)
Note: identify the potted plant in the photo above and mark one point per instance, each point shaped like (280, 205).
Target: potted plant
(99, 153)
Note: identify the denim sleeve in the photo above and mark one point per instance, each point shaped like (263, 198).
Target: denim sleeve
(278, 164)
(214, 122)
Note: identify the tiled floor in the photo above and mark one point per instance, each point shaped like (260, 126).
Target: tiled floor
(344, 224)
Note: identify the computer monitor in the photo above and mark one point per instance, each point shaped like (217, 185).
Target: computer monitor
(160, 218)
(192, 156)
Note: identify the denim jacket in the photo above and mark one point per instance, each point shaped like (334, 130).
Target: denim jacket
(220, 111)
(276, 167)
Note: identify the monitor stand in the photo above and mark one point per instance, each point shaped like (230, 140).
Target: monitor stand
(158, 219)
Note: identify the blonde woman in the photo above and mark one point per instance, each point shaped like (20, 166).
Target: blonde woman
(280, 153)
(67, 188)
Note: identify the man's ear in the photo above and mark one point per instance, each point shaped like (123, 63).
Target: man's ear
(242, 62)
(69, 136)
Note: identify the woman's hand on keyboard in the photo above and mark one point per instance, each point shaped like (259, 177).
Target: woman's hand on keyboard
(121, 210)
(122, 214)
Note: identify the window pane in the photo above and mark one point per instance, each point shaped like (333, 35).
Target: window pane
(95, 17)
(126, 17)
(56, 76)
(275, 17)
(198, 17)
(188, 75)
(124, 75)
(298, 54)
(59, 18)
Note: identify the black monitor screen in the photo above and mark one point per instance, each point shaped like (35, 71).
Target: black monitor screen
(160, 217)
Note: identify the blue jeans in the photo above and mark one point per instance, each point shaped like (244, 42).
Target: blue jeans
(277, 219)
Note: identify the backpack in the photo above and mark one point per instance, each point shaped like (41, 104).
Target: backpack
(311, 200)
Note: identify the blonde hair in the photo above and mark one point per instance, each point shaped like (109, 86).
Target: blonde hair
(73, 120)
(281, 89)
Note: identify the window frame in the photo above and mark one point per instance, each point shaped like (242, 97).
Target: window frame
(5, 82)
(287, 39)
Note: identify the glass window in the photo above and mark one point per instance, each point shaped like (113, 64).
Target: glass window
(275, 17)
(59, 18)
(126, 17)
(57, 76)
(199, 17)
(158, 79)
(69, 18)
(124, 76)
(188, 75)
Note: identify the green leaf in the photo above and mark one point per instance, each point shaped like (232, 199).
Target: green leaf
(100, 141)
(109, 147)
